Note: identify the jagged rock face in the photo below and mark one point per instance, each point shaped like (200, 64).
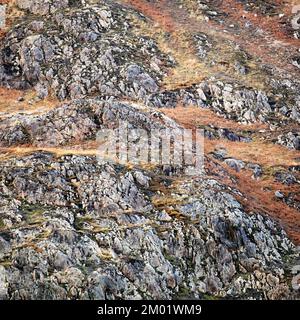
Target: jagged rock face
(244, 105)
(80, 50)
(87, 49)
(232, 101)
(81, 120)
(76, 122)
(290, 140)
(91, 231)
(44, 7)
(83, 227)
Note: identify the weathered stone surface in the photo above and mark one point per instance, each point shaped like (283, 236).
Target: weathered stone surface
(290, 140)
(78, 121)
(231, 101)
(81, 50)
(74, 226)
(89, 231)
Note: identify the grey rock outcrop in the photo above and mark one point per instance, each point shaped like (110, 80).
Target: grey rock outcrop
(77, 226)
(78, 121)
(74, 228)
(81, 50)
(290, 140)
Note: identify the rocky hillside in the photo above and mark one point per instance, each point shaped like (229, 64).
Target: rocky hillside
(75, 227)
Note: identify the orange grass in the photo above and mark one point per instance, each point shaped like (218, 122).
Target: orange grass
(9, 103)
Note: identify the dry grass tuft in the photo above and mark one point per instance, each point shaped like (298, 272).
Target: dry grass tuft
(259, 195)
(173, 28)
(16, 101)
(266, 154)
(263, 152)
(195, 117)
(86, 149)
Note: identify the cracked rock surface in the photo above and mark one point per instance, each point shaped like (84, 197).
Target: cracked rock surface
(80, 50)
(76, 226)
(72, 228)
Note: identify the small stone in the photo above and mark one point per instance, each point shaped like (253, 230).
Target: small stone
(279, 195)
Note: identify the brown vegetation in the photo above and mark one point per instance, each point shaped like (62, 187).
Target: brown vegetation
(173, 29)
(83, 149)
(259, 196)
(155, 11)
(16, 101)
(194, 116)
(272, 25)
(263, 152)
